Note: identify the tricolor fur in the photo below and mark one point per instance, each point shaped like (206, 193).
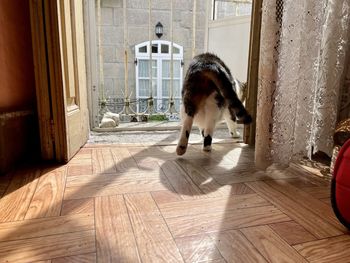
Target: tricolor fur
(208, 96)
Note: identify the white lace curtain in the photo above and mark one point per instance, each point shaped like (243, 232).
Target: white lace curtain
(304, 50)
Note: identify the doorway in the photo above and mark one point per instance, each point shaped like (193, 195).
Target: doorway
(118, 27)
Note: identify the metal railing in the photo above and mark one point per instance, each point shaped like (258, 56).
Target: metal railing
(142, 109)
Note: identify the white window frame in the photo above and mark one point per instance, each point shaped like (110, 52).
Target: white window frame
(159, 58)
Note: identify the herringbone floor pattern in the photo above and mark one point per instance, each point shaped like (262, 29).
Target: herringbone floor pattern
(137, 203)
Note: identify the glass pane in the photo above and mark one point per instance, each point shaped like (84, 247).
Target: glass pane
(176, 50)
(176, 88)
(143, 87)
(154, 85)
(143, 49)
(177, 68)
(159, 105)
(142, 105)
(143, 68)
(244, 9)
(164, 49)
(165, 88)
(166, 68)
(154, 48)
(225, 8)
(177, 104)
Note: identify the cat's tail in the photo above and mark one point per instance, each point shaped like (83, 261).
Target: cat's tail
(241, 90)
(227, 87)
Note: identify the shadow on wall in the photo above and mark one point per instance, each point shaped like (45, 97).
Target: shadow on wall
(19, 137)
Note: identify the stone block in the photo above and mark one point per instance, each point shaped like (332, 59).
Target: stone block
(111, 3)
(137, 17)
(109, 54)
(177, 15)
(200, 50)
(164, 18)
(155, 5)
(202, 6)
(161, 4)
(186, 19)
(200, 21)
(118, 17)
(113, 70)
(107, 16)
(120, 87)
(183, 5)
(200, 39)
(137, 4)
(182, 36)
(120, 54)
(137, 35)
(112, 35)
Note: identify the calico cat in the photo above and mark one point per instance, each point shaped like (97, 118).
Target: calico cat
(208, 95)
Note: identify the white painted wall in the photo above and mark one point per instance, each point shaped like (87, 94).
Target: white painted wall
(229, 39)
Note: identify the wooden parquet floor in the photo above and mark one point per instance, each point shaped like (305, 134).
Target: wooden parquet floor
(138, 203)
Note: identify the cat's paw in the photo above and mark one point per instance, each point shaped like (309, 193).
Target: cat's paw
(207, 148)
(181, 149)
(235, 134)
(247, 119)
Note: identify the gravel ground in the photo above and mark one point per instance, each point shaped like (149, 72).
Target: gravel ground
(156, 137)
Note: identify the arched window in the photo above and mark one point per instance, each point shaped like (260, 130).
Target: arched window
(161, 75)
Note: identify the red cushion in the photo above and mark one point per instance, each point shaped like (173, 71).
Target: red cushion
(341, 185)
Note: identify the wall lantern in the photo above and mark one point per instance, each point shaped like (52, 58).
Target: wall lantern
(159, 30)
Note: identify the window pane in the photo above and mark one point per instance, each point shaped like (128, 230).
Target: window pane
(154, 85)
(160, 105)
(165, 88)
(143, 87)
(143, 68)
(143, 49)
(154, 48)
(176, 88)
(177, 68)
(164, 49)
(177, 104)
(176, 50)
(166, 68)
(142, 105)
(228, 9)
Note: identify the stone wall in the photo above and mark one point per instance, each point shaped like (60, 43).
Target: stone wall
(112, 35)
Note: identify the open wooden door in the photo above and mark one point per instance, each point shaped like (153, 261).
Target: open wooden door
(58, 43)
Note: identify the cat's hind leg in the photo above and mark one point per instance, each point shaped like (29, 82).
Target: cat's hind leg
(231, 125)
(212, 115)
(208, 137)
(187, 122)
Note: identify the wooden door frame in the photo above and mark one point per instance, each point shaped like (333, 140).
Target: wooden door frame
(253, 71)
(48, 78)
(91, 61)
(253, 65)
(44, 109)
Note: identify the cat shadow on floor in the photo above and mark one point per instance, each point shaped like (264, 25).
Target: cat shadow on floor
(199, 172)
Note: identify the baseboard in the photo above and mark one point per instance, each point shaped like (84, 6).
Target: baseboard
(18, 139)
